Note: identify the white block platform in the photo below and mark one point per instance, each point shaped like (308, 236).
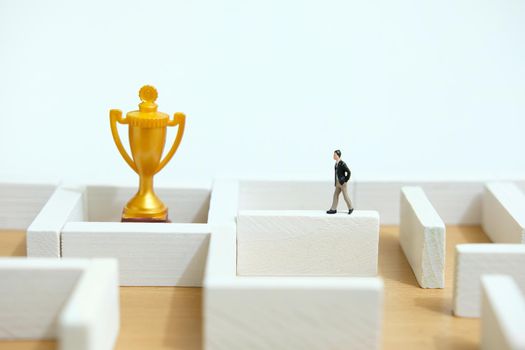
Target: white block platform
(256, 312)
(476, 260)
(84, 221)
(307, 243)
(422, 237)
(74, 300)
(504, 213)
(149, 254)
(502, 314)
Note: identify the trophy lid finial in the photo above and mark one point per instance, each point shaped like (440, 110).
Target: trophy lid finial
(148, 95)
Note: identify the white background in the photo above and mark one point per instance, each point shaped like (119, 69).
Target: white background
(406, 89)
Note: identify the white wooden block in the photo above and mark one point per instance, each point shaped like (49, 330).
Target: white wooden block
(186, 204)
(43, 235)
(308, 243)
(90, 319)
(221, 264)
(457, 202)
(289, 195)
(422, 237)
(502, 314)
(21, 202)
(224, 202)
(221, 261)
(149, 254)
(294, 313)
(76, 300)
(256, 312)
(504, 212)
(32, 294)
(475, 260)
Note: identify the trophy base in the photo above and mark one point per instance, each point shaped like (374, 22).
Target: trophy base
(150, 220)
(130, 215)
(163, 219)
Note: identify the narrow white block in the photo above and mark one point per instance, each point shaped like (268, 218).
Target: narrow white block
(32, 294)
(307, 243)
(294, 313)
(43, 235)
(90, 319)
(221, 264)
(186, 204)
(422, 237)
(224, 202)
(502, 314)
(21, 202)
(475, 260)
(504, 213)
(457, 202)
(149, 254)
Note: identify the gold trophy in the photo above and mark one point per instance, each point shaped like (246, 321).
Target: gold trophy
(147, 136)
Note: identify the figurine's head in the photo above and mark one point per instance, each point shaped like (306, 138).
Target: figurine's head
(337, 154)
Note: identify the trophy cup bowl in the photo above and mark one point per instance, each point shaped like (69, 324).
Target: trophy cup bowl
(147, 136)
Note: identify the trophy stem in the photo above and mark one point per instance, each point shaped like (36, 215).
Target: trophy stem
(145, 206)
(145, 184)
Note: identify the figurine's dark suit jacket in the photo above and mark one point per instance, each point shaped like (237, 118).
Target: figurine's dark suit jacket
(342, 173)
(341, 177)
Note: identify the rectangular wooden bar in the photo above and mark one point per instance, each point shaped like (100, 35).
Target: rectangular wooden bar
(476, 260)
(502, 314)
(504, 213)
(307, 243)
(148, 254)
(422, 237)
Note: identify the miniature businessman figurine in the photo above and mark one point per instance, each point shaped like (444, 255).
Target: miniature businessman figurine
(341, 177)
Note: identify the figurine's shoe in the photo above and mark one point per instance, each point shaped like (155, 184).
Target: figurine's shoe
(331, 211)
(350, 211)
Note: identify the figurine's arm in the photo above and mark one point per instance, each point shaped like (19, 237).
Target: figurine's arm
(346, 174)
(347, 171)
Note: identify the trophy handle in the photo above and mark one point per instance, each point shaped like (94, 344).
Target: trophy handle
(115, 115)
(180, 119)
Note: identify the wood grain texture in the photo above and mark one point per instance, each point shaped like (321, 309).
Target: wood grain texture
(422, 237)
(21, 202)
(158, 318)
(148, 254)
(311, 313)
(43, 235)
(326, 312)
(307, 243)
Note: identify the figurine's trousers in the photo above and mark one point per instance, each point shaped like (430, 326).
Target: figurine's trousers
(338, 189)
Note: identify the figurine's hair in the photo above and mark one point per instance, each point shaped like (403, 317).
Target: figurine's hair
(338, 152)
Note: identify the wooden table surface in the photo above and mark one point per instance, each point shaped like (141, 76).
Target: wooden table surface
(414, 318)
